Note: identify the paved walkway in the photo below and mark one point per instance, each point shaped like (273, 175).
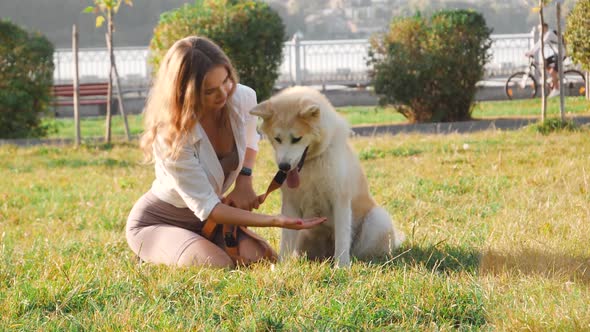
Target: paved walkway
(456, 127)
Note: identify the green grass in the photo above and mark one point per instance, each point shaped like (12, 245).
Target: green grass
(530, 107)
(357, 115)
(365, 115)
(94, 126)
(496, 225)
(362, 115)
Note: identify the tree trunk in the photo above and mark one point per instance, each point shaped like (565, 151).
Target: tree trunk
(560, 63)
(543, 66)
(76, 85)
(119, 93)
(109, 37)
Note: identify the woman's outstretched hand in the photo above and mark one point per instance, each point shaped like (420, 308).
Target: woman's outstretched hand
(297, 223)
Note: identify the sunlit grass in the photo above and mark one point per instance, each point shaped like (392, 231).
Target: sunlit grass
(496, 225)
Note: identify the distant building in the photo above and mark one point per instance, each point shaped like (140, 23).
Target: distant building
(367, 17)
(329, 23)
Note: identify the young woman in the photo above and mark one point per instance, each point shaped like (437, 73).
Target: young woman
(201, 138)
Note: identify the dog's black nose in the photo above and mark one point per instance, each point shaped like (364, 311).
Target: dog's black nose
(285, 167)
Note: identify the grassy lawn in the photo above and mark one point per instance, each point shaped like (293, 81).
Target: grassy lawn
(358, 115)
(530, 107)
(497, 239)
(95, 126)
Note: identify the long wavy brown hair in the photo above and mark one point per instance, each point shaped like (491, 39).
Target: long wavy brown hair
(174, 104)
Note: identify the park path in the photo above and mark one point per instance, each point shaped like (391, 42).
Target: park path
(456, 127)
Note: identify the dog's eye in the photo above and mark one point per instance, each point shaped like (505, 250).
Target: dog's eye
(295, 139)
(278, 139)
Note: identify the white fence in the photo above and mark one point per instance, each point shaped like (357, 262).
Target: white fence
(339, 62)
(93, 64)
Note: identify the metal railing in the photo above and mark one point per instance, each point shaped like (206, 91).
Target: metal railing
(93, 64)
(338, 62)
(307, 62)
(508, 53)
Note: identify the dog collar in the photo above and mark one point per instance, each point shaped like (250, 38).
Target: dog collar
(302, 160)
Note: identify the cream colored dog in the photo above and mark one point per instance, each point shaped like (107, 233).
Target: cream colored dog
(331, 182)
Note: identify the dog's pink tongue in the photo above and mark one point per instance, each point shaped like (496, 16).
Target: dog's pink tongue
(293, 178)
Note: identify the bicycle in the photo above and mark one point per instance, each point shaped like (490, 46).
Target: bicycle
(523, 84)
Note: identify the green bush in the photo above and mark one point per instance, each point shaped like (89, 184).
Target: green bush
(577, 33)
(26, 76)
(556, 125)
(428, 67)
(249, 32)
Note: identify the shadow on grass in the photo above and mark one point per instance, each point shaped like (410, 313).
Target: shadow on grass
(440, 258)
(530, 262)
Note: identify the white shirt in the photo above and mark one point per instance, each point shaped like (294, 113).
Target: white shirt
(195, 179)
(550, 40)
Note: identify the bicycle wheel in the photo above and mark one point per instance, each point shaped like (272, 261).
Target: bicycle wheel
(574, 83)
(521, 85)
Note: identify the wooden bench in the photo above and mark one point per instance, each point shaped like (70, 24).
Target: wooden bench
(90, 94)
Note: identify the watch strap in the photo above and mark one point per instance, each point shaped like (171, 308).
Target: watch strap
(246, 171)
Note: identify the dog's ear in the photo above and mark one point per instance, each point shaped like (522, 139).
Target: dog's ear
(262, 110)
(311, 110)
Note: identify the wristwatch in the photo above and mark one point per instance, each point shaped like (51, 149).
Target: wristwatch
(246, 171)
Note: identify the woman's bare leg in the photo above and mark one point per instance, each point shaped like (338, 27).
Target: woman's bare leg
(171, 245)
(250, 248)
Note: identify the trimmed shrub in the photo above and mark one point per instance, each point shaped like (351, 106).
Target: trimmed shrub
(428, 67)
(26, 76)
(249, 32)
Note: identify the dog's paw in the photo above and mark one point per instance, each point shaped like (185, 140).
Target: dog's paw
(343, 262)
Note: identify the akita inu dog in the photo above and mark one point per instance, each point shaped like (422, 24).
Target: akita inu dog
(301, 124)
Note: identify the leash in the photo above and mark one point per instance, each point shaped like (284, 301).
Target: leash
(281, 176)
(230, 232)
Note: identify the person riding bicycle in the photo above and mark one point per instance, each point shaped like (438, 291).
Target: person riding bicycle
(551, 40)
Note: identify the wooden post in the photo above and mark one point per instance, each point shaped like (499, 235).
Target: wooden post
(119, 94)
(543, 66)
(560, 62)
(76, 84)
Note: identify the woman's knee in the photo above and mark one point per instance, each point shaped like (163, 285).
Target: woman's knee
(204, 253)
(251, 249)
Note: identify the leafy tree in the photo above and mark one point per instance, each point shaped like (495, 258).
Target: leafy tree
(428, 67)
(26, 77)
(109, 8)
(577, 37)
(249, 32)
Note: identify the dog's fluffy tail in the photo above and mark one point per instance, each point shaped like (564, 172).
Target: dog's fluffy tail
(378, 236)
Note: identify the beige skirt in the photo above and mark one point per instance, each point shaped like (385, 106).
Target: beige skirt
(160, 232)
